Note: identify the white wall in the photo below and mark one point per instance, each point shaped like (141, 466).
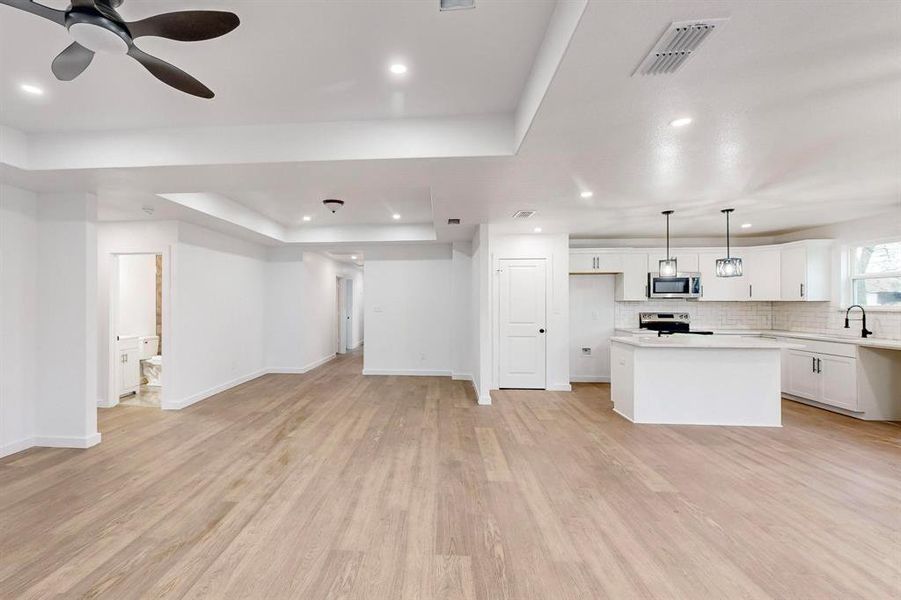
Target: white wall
(463, 358)
(18, 318)
(65, 412)
(137, 295)
(592, 322)
(554, 249)
(408, 315)
(217, 315)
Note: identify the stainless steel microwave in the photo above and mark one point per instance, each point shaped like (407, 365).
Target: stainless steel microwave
(683, 285)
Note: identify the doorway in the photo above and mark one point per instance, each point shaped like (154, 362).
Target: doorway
(348, 314)
(136, 330)
(592, 316)
(522, 320)
(340, 315)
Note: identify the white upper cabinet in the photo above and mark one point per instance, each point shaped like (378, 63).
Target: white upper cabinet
(686, 261)
(632, 283)
(805, 270)
(762, 270)
(720, 289)
(796, 271)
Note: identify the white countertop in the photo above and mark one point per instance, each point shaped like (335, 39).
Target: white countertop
(702, 341)
(871, 342)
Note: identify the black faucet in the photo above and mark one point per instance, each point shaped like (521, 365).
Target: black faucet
(864, 332)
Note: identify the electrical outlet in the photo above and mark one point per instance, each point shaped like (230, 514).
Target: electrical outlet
(586, 351)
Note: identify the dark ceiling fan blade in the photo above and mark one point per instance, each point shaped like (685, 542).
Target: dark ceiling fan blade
(170, 74)
(70, 63)
(57, 16)
(186, 26)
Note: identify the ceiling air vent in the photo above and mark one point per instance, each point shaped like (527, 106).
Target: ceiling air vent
(453, 221)
(677, 44)
(456, 4)
(523, 214)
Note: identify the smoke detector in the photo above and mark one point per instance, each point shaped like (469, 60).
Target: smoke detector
(523, 214)
(333, 204)
(677, 44)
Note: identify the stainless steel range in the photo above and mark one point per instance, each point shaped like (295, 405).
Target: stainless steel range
(668, 323)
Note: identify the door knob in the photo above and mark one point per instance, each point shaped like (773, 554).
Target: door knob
(541, 331)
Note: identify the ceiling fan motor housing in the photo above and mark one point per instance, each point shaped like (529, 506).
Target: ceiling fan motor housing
(98, 33)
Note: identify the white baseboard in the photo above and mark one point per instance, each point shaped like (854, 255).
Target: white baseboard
(356, 345)
(195, 398)
(62, 441)
(484, 399)
(589, 379)
(105, 403)
(560, 387)
(461, 376)
(407, 372)
(301, 370)
(17, 446)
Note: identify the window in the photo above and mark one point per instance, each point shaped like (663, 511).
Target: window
(876, 274)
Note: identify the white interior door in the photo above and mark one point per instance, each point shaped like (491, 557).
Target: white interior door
(523, 345)
(591, 325)
(348, 314)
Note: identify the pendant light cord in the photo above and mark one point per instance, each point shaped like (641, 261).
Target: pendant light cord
(728, 248)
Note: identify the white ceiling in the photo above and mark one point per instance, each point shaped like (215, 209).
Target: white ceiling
(795, 109)
(288, 61)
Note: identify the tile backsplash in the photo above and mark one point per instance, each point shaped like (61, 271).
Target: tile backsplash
(704, 315)
(814, 317)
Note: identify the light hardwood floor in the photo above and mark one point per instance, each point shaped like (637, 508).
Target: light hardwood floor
(335, 485)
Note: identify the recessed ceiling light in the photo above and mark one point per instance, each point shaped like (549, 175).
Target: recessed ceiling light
(307, 218)
(398, 68)
(354, 257)
(681, 122)
(31, 89)
(395, 216)
(587, 194)
(745, 225)
(537, 230)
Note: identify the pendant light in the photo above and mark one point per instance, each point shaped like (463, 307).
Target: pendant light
(667, 267)
(729, 266)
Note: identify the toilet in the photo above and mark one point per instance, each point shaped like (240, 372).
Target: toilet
(151, 362)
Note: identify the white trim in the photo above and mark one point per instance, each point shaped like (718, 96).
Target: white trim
(462, 377)
(559, 387)
(356, 345)
(301, 370)
(194, 398)
(407, 372)
(17, 446)
(484, 400)
(105, 403)
(589, 379)
(58, 441)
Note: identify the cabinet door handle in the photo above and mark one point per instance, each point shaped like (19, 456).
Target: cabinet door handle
(813, 364)
(750, 290)
(802, 290)
(819, 366)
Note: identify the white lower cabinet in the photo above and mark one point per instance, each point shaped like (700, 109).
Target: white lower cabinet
(825, 378)
(129, 372)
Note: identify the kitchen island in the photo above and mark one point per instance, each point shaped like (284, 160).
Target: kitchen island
(697, 380)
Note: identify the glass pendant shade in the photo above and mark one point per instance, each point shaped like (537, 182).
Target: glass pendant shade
(728, 267)
(668, 268)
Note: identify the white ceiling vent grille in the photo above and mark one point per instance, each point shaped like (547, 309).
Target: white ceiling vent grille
(456, 4)
(523, 214)
(677, 44)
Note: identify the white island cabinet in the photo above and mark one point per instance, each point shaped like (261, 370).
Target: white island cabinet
(697, 380)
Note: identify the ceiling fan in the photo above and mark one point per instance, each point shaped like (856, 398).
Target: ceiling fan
(97, 27)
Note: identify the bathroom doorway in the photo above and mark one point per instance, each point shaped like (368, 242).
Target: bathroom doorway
(136, 328)
(340, 315)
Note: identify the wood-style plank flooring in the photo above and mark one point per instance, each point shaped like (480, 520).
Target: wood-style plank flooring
(335, 485)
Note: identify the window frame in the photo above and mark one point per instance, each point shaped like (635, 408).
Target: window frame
(852, 278)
